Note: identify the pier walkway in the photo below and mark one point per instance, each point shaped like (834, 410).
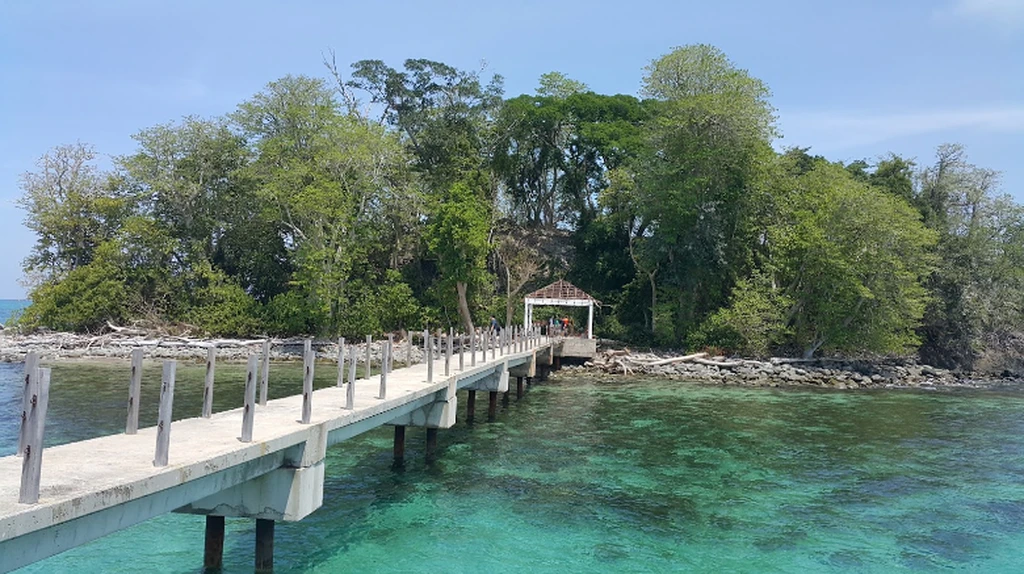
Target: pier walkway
(92, 488)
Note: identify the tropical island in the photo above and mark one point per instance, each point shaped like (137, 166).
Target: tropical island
(379, 199)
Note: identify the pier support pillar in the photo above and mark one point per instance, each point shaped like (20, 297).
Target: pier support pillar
(431, 444)
(399, 448)
(492, 406)
(470, 406)
(519, 387)
(213, 550)
(264, 545)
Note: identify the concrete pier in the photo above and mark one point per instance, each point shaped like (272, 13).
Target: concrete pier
(91, 488)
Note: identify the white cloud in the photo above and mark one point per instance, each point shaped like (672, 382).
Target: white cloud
(844, 130)
(1002, 13)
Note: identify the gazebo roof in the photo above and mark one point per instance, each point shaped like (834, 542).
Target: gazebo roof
(562, 290)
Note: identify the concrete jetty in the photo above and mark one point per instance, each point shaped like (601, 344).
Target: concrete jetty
(92, 488)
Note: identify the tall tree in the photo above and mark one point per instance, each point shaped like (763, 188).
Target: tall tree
(699, 185)
(72, 207)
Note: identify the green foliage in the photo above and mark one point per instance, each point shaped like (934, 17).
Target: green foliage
(852, 259)
(753, 324)
(300, 214)
(219, 306)
(84, 300)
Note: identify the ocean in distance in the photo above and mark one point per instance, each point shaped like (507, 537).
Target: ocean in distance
(625, 476)
(9, 307)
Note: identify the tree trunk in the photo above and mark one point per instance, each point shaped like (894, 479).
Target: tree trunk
(467, 318)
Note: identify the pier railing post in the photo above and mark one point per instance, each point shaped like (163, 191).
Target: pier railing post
(369, 343)
(448, 354)
(249, 399)
(350, 392)
(31, 366)
(34, 426)
(391, 352)
(265, 373)
(163, 424)
(472, 347)
(430, 359)
(383, 392)
(426, 344)
(307, 381)
(131, 426)
(462, 350)
(408, 350)
(211, 366)
(341, 362)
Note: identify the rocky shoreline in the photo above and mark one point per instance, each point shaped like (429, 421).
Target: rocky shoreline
(781, 372)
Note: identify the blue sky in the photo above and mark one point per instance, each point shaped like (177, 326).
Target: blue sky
(850, 79)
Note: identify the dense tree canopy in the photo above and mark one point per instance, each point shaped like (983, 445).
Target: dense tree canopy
(386, 198)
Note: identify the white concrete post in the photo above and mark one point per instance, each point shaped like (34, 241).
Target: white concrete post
(472, 347)
(341, 362)
(35, 425)
(408, 350)
(462, 351)
(382, 392)
(134, 390)
(350, 392)
(307, 380)
(31, 366)
(590, 320)
(369, 341)
(426, 345)
(211, 366)
(265, 373)
(430, 359)
(163, 425)
(249, 399)
(448, 354)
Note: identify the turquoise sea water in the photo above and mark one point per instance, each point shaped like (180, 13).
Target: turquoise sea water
(9, 307)
(626, 476)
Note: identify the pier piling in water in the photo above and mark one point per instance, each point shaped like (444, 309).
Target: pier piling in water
(492, 406)
(399, 446)
(213, 547)
(264, 545)
(431, 444)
